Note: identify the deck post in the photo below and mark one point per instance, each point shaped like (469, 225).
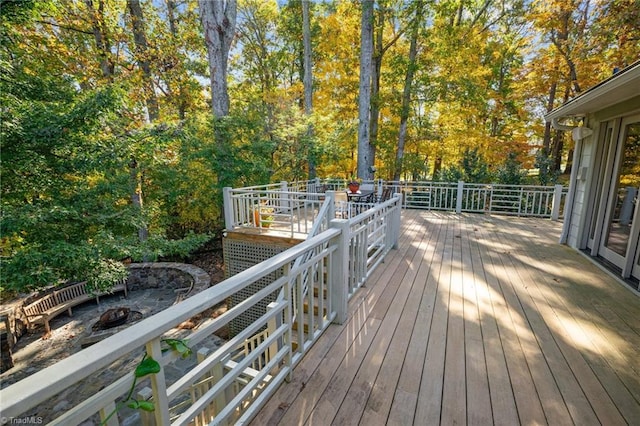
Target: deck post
(227, 204)
(555, 204)
(158, 385)
(285, 204)
(272, 325)
(146, 417)
(396, 223)
(330, 195)
(339, 277)
(459, 197)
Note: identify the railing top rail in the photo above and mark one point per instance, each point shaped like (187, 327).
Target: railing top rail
(236, 191)
(260, 187)
(275, 186)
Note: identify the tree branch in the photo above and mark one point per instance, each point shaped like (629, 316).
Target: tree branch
(65, 27)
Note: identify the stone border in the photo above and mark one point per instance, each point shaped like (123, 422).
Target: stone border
(181, 276)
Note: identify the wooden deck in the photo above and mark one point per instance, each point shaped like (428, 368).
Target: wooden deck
(477, 320)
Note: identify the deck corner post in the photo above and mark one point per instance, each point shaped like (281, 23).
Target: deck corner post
(227, 204)
(339, 271)
(396, 223)
(331, 196)
(555, 204)
(459, 197)
(284, 198)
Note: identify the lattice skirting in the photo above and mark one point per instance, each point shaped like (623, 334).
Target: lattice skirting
(241, 251)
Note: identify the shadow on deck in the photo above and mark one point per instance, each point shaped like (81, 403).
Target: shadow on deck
(474, 319)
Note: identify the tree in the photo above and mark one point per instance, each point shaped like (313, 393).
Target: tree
(142, 55)
(218, 23)
(406, 92)
(365, 151)
(380, 47)
(101, 36)
(308, 80)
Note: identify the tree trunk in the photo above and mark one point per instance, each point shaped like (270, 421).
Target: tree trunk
(378, 52)
(406, 93)
(546, 141)
(308, 85)
(142, 52)
(557, 145)
(556, 154)
(437, 166)
(218, 23)
(103, 45)
(364, 101)
(567, 169)
(136, 195)
(173, 29)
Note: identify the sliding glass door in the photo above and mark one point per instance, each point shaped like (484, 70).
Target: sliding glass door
(618, 242)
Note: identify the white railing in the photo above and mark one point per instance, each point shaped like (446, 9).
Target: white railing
(373, 233)
(520, 200)
(292, 207)
(269, 208)
(229, 384)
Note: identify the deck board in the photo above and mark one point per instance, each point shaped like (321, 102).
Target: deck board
(474, 319)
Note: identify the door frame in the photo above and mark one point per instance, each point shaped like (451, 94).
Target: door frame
(607, 203)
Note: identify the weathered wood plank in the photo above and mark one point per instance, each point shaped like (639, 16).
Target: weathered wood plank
(478, 396)
(353, 402)
(316, 369)
(566, 322)
(387, 353)
(405, 398)
(454, 398)
(502, 399)
(509, 322)
(429, 407)
(549, 369)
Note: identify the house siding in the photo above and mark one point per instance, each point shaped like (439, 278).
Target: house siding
(578, 212)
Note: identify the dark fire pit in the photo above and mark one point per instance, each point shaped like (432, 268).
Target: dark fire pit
(114, 317)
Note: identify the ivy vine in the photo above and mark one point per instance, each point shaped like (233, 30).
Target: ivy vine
(148, 366)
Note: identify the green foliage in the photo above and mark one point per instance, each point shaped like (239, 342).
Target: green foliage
(510, 172)
(156, 247)
(66, 213)
(546, 173)
(105, 273)
(450, 174)
(179, 346)
(472, 168)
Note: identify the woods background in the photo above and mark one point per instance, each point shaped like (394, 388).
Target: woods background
(123, 119)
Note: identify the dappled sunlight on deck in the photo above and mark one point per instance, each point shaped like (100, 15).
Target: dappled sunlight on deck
(474, 319)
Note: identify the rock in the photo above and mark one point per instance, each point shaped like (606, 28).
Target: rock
(63, 405)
